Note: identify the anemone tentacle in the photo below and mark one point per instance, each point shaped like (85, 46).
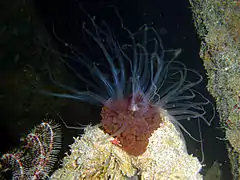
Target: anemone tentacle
(140, 84)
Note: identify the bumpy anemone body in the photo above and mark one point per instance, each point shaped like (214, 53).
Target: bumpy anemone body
(135, 83)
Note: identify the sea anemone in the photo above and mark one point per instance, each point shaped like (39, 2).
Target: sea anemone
(135, 83)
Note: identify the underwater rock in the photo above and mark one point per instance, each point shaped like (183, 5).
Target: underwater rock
(214, 173)
(95, 156)
(218, 26)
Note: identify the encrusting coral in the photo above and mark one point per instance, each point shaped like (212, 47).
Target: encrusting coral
(94, 156)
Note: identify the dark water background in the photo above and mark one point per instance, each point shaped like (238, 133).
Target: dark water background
(172, 19)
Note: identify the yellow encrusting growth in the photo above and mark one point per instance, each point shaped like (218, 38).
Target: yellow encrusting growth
(93, 156)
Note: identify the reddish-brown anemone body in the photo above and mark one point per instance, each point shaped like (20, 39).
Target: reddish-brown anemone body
(132, 128)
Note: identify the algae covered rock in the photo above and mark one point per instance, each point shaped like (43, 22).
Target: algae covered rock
(218, 26)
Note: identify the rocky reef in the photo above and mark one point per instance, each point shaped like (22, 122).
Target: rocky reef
(218, 26)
